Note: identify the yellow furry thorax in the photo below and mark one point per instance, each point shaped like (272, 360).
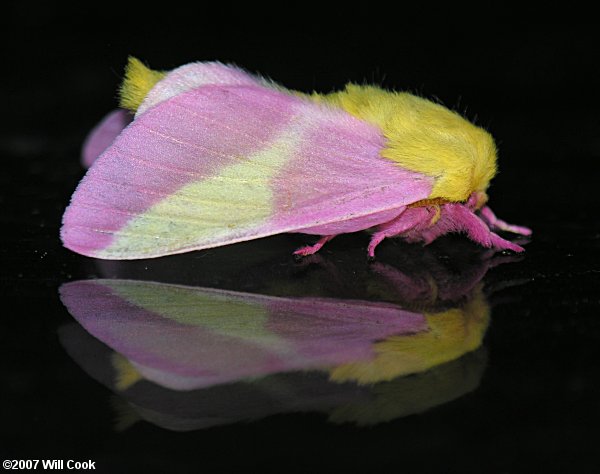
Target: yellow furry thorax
(425, 137)
(138, 81)
(422, 136)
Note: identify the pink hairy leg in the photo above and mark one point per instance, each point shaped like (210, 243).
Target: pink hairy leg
(412, 218)
(311, 249)
(476, 201)
(490, 218)
(459, 218)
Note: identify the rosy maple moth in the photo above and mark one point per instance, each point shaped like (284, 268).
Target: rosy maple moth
(215, 156)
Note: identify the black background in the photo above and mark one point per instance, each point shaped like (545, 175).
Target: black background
(534, 88)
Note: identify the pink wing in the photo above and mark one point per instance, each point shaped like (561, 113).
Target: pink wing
(220, 164)
(104, 134)
(182, 79)
(193, 75)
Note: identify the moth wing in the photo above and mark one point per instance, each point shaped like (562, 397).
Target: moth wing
(182, 79)
(222, 164)
(103, 135)
(198, 74)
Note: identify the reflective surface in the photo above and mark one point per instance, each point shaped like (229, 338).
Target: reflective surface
(437, 359)
(366, 361)
(425, 349)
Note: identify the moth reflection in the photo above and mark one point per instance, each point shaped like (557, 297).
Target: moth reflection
(137, 399)
(191, 357)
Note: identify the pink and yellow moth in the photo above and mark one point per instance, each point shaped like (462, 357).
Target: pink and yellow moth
(215, 156)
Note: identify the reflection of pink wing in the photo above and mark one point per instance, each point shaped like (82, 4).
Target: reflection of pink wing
(186, 338)
(211, 406)
(221, 164)
(103, 135)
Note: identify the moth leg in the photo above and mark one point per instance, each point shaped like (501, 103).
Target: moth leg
(311, 249)
(375, 241)
(406, 221)
(490, 218)
(477, 230)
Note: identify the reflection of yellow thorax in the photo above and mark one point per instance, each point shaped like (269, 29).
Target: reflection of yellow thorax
(126, 374)
(451, 334)
(418, 393)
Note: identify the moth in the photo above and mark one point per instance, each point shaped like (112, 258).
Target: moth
(214, 155)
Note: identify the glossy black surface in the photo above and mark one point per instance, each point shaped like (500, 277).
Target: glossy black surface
(531, 403)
